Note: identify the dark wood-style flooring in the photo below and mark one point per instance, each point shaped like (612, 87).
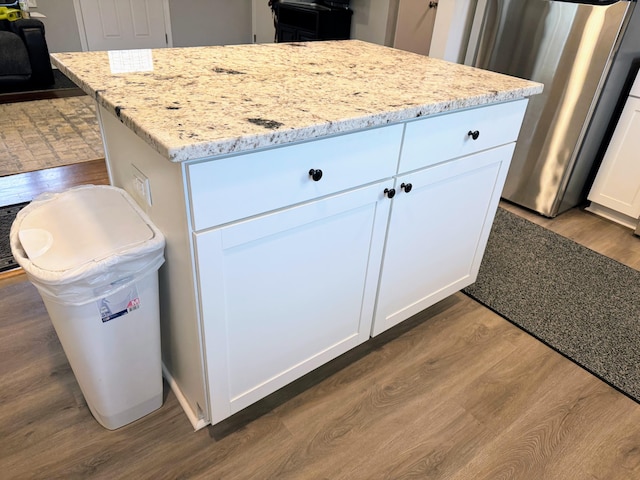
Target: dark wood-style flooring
(24, 187)
(455, 393)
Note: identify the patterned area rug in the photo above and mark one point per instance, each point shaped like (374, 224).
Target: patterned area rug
(582, 304)
(48, 133)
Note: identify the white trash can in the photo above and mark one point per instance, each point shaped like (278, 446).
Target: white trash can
(94, 256)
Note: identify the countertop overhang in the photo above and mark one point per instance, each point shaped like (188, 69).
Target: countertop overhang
(199, 102)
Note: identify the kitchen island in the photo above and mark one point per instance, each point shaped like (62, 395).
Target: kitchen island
(312, 195)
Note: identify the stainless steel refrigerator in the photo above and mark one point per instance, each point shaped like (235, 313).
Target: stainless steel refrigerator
(582, 53)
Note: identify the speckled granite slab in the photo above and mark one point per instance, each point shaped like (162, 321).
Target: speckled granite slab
(204, 101)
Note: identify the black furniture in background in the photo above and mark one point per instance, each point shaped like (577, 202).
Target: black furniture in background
(24, 55)
(302, 22)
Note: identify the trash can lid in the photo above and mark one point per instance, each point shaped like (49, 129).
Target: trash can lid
(79, 226)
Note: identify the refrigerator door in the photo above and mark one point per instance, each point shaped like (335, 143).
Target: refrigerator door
(569, 48)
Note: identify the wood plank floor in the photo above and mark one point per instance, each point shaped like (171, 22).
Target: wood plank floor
(24, 187)
(455, 393)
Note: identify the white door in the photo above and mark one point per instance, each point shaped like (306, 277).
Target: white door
(264, 31)
(123, 24)
(414, 27)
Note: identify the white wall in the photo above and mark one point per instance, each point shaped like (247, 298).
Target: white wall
(450, 32)
(369, 21)
(221, 22)
(193, 23)
(373, 21)
(60, 26)
(264, 30)
(210, 22)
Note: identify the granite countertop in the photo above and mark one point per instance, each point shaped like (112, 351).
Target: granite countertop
(203, 101)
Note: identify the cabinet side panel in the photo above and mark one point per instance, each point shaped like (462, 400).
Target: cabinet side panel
(617, 185)
(181, 342)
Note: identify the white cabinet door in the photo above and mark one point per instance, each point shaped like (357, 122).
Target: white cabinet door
(438, 232)
(617, 185)
(283, 293)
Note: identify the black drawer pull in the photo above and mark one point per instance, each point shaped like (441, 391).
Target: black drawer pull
(390, 192)
(406, 187)
(475, 134)
(315, 174)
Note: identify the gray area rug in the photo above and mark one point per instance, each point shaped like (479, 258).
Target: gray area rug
(7, 216)
(582, 304)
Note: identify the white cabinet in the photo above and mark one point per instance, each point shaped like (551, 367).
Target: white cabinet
(293, 272)
(273, 270)
(615, 193)
(451, 174)
(438, 231)
(288, 260)
(283, 293)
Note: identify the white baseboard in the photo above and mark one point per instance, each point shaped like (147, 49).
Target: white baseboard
(197, 422)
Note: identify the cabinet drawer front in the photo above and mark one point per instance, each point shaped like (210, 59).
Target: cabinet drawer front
(434, 140)
(244, 185)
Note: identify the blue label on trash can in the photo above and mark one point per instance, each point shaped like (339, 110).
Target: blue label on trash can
(119, 304)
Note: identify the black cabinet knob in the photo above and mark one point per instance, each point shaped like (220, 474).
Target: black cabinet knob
(390, 192)
(475, 134)
(315, 174)
(406, 187)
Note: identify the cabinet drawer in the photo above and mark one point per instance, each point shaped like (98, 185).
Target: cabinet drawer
(436, 139)
(248, 184)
